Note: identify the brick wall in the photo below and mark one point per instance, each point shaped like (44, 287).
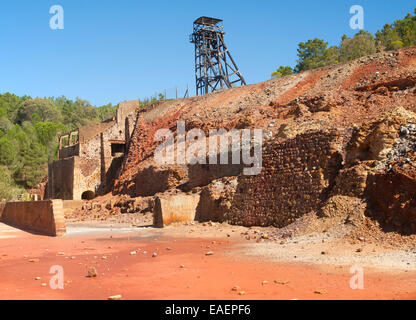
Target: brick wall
(296, 178)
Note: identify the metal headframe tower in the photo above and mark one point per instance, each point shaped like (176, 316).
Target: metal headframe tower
(214, 66)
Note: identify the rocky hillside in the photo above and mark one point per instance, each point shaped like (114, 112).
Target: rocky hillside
(334, 139)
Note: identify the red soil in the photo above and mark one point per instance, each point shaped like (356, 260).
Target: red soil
(141, 276)
(302, 87)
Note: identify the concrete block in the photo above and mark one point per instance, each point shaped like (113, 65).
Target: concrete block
(175, 208)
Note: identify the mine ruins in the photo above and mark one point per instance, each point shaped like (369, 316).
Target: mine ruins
(338, 174)
(339, 144)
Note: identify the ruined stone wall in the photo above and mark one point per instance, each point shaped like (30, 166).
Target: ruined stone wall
(86, 133)
(296, 178)
(93, 170)
(90, 166)
(127, 110)
(61, 179)
(68, 152)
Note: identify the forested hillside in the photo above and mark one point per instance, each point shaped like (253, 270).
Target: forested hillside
(28, 135)
(316, 53)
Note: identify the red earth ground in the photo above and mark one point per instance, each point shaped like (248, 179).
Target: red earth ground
(181, 270)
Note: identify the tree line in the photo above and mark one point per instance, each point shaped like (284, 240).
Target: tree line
(316, 53)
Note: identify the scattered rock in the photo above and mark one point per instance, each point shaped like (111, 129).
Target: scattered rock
(92, 272)
(209, 253)
(320, 291)
(116, 297)
(280, 281)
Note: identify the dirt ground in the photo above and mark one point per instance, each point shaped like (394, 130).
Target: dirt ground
(172, 263)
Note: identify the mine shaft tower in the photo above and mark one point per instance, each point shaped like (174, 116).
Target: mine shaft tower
(214, 66)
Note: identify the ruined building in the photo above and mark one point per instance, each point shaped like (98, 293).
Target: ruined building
(89, 157)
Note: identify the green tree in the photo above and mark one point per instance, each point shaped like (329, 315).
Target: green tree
(402, 33)
(362, 44)
(33, 165)
(282, 71)
(8, 151)
(45, 109)
(107, 111)
(8, 190)
(5, 125)
(46, 132)
(332, 56)
(311, 54)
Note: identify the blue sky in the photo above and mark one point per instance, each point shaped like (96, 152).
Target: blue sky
(111, 51)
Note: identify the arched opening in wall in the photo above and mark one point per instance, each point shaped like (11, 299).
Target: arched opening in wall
(88, 195)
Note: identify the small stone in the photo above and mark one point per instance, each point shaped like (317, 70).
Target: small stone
(133, 253)
(283, 282)
(43, 284)
(209, 253)
(236, 288)
(37, 278)
(116, 297)
(61, 253)
(264, 282)
(320, 291)
(34, 260)
(242, 293)
(154, 255)
(182, 266)
(404, 131)
(359, 250)
(92, 272)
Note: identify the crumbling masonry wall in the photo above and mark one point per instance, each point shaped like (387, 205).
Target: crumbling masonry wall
(91, 165)
(296, 178)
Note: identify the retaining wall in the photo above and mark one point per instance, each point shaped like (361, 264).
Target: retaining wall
(44, 217)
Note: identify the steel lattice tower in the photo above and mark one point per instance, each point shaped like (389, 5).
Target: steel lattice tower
(214, 66)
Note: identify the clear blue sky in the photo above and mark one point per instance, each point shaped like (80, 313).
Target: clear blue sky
(110, 51)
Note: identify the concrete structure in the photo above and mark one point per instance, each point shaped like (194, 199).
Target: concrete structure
(175, 208)
(89, 158)
(45, 217)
